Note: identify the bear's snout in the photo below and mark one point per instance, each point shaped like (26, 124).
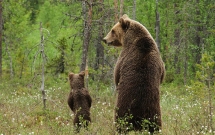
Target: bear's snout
(104, 40)
(107, 41)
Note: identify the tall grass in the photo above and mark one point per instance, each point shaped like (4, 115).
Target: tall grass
(21, 110)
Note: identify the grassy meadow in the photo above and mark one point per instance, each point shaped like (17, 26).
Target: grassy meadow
(22, 113)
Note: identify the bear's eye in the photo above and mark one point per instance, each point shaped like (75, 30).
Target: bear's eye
(113, 31)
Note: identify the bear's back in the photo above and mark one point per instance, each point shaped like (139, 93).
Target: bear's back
(81, 99)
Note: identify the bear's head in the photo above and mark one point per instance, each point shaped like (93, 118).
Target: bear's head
(116, 35)
(128, 32)
(77, 80)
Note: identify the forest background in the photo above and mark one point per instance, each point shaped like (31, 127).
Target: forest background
(41, 41)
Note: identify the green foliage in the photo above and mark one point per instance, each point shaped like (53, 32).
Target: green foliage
(63, 19)
(59, 62)
(15, 33)
(83, 124)
(198, 90)
(206, 68)
(204, 76)
(202, 89)
(122, 124)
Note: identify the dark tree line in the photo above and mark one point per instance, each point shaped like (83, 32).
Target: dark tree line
(183, 31)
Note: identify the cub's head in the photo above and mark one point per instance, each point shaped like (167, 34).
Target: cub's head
(117, 33)
(76, 80)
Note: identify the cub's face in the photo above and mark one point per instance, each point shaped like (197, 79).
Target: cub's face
(117, 33)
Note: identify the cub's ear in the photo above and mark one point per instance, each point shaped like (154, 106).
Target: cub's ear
(124, 23)
(71, 76)
(82, 73)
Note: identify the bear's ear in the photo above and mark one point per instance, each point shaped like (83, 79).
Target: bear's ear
(125, 16)
(82, 73)
(71, 76)
(124, 23)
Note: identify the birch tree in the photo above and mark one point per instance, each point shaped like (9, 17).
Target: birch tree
(43, 66)
(87, 31)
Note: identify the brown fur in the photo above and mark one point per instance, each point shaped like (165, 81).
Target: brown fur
(138, 74)
(79, 99)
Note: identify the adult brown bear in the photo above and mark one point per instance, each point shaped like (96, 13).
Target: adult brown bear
(138, 74)
(79, 100)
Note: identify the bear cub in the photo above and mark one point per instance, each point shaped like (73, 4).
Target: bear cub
(79, 100)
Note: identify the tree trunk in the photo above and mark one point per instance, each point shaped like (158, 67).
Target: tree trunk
(99, 46)
(210, 107)
(116, 11)
(185, 62)
(43, 67)
(177, 40)
(1, 31)
(121, 7)
(185, 40)
(87, 32)
(9, 56)
(157, 26)
(198, 37)
(134, 9)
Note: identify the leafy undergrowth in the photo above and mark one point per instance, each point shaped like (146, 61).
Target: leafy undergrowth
(21, 111)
